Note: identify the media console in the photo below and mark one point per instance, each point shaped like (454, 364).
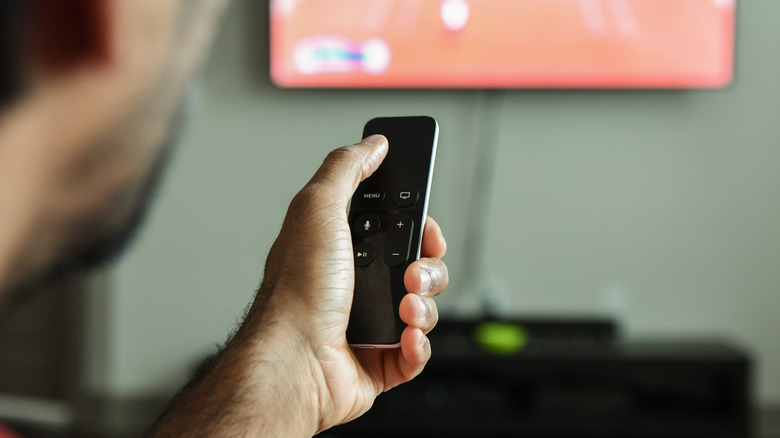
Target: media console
(568, 379)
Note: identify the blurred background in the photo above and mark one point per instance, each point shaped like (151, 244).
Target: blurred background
(656, 212)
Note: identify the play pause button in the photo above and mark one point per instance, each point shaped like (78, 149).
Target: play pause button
(364, 254)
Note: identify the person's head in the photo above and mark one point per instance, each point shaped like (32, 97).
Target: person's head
(88, 92)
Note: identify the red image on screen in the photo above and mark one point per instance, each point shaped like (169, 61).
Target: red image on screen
(502, 43)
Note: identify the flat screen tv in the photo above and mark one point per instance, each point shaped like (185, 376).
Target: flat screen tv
(502, 43)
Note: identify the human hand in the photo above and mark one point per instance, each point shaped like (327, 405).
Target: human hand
(309, 283)
(289, 371)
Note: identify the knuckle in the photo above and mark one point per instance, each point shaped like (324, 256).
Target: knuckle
(342, 154)
(303, 200)
(341, 162)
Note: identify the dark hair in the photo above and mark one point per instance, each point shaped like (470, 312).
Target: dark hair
(12, 17)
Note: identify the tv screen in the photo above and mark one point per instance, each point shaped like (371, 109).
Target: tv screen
(502, 43)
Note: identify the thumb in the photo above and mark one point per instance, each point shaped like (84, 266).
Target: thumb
(345, 167)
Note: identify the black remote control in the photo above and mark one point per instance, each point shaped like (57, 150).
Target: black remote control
(387, 217)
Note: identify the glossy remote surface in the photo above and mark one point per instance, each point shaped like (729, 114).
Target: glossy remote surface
(387, 216)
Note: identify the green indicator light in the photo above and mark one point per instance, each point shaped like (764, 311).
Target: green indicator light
(501, 338)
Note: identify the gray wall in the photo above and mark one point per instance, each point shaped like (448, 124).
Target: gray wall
(659, 208)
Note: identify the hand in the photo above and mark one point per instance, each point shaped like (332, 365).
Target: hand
(309, 282)
(288, 371)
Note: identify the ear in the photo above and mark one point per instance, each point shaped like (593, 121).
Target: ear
(66, 33)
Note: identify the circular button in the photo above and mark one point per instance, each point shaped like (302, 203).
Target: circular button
(366, 225)
(370, 196)
(405, 198)
(364, 254)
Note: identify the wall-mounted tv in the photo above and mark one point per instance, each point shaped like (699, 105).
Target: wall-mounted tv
(502, 43)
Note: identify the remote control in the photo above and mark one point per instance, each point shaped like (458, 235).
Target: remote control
(387, 216)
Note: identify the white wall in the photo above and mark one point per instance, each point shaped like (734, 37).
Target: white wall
(662, 208)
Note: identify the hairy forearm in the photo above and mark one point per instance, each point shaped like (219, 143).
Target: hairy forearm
(259, 385)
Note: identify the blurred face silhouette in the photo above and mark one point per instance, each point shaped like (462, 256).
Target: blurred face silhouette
(84, 141)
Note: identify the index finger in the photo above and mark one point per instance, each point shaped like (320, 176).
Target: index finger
(433, 243)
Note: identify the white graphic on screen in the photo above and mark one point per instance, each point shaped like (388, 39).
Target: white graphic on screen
(335, 54)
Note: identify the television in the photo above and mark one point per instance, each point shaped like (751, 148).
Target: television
(502, 43)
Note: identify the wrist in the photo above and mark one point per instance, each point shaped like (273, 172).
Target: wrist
(276, 321)
(277, 373)
(261, 384)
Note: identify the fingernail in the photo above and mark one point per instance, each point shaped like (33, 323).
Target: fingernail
(373, 140)
(424, 342)
(423, 310)
(426, 282)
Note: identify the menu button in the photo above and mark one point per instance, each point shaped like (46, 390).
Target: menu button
(370, 196)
